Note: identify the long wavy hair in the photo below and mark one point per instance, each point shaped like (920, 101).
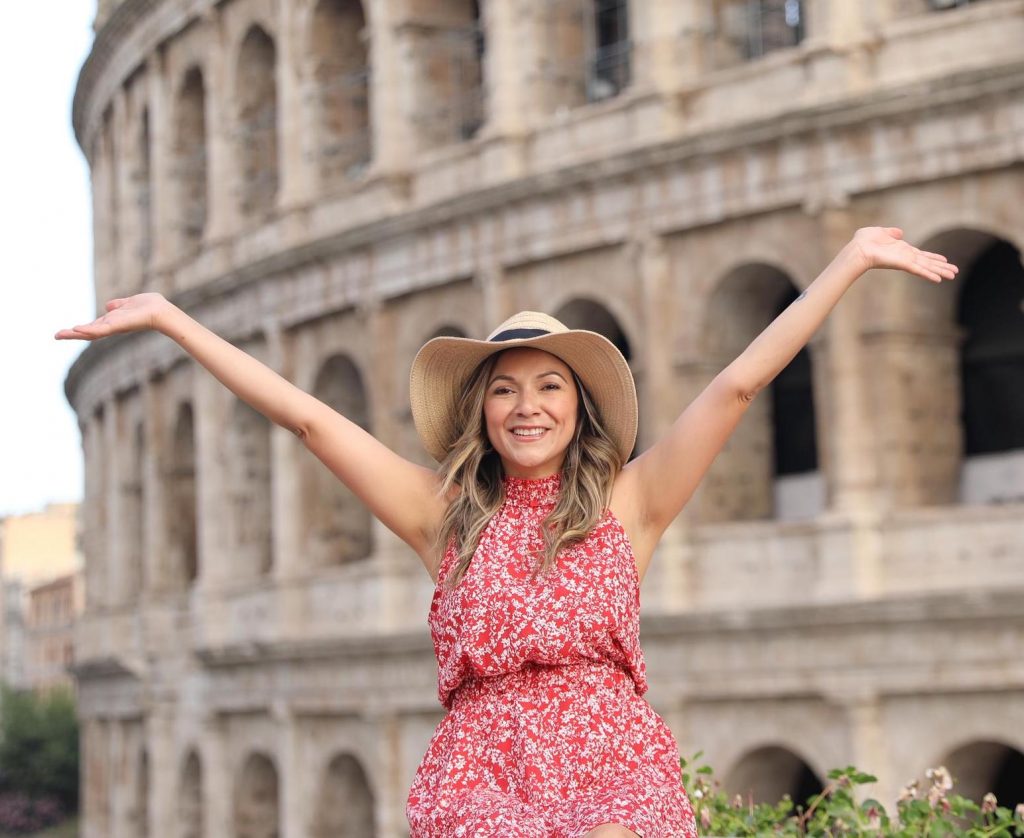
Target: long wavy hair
(474, 469)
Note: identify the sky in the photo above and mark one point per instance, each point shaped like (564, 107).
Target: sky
(46, 234)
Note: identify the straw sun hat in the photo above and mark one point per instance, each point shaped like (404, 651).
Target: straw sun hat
(443, 366)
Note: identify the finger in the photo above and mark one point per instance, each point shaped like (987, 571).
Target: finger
(117, 303)
(931, 255)
(895, 232)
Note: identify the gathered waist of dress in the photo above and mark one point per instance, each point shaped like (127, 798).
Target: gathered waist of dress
(547, 676)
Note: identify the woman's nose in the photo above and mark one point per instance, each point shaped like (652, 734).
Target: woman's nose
(527, 405)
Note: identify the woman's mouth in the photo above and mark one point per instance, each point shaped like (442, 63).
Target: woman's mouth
(528, 434)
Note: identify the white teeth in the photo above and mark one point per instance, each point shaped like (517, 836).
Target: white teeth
(535, 432)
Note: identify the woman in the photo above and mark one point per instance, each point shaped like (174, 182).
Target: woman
(537, 533)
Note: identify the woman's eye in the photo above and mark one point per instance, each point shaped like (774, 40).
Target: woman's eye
(552, 385)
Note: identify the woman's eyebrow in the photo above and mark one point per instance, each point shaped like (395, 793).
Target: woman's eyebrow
(506, 377)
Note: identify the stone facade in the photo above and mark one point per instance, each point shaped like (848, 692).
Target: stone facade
(845, 586)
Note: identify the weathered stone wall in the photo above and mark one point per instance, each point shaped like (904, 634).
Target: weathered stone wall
(253, 638)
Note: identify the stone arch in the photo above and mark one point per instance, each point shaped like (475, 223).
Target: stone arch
(586, 313)
(257, 799)
(182, 544)
(448, 46)
(256, 138)
(189, 160)
(988, 766)
(340, 92)
(975, 352)
(345, 802)
(338, 526)
(191, 815)
(769, 772)
(248, 492)
(769, 467)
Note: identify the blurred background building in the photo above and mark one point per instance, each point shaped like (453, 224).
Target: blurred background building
(41, 573)
(330, 183)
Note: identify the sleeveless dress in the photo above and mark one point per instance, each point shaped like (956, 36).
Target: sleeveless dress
(547, 734)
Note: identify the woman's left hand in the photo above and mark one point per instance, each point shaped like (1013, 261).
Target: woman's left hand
(883, 247)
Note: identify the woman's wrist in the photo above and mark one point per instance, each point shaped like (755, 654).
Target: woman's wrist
(853, 258)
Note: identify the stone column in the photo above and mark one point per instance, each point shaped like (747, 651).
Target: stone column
(867, 748)
(98, 173)
(847, 443)
(510, 60)
(296, 170)
(222, 213)
(210, 421)
(285, 451)
(164, 771)
(218, 779)
(391, 91)
(669, 577)
(160, 155)
(293, 769)
(667, 43)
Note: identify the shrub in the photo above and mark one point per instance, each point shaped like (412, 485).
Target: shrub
(21, 814)
(835, 812)
(39, 749)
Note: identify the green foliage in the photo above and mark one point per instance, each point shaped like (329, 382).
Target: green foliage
(39, 745)
(837, 812)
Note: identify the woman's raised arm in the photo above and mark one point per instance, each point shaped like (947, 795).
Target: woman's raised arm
(402, 494)
(661, 480)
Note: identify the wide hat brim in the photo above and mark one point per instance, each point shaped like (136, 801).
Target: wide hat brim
(444, 365)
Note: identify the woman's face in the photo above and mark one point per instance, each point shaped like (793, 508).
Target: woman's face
(530, 411)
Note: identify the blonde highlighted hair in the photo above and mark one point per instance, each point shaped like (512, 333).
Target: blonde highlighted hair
(591, 464)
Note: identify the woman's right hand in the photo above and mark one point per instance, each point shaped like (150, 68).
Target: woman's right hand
(125, 314)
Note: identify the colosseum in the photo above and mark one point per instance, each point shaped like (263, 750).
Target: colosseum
(329, 183)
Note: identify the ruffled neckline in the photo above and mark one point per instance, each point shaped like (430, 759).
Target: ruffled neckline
(532, 491)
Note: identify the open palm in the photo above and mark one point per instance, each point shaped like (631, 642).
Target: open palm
(883, 247)
(125, 314)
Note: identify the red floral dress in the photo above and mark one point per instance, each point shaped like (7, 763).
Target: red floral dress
(547, 734)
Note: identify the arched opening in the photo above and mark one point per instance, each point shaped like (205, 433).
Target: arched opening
(111, 151)
(345, 802)
(257, 805)
(182, 546)
(341, 71)
(982, 767)
(189, 160)
(587, 52)
(190, 798)
(141, 186)
(97, 568)
(743, 30)
(132, 515)
(256, 125)
(581, 313)
(447, 44)
(140, 811)
(990, 314)
(338, 525)
(249, 493)
(766, 774)
(769, 467)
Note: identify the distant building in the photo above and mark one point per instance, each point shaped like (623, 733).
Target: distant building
(43, 591)
(49, 631)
